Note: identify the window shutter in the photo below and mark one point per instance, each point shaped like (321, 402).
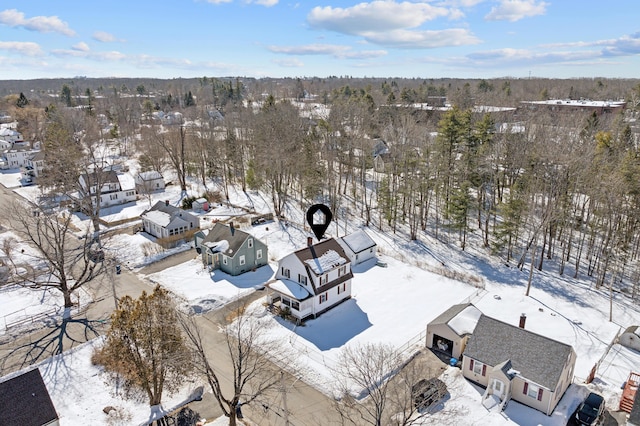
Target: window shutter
(540, 394)
(471, 365)
(526, 388)
(484, 370)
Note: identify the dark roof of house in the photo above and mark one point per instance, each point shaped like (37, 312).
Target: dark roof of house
(537, 358)
(24, 401)
(316, 252)
(164, 207)
(106, 176)
(233, 236)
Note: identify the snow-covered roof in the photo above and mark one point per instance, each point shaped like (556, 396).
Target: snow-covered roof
(465, 321)
(217, 246)
(358, 241)
(127, 183)
(327, 261)
(150, 175)
(289, 288)
(159, 218)
(584, 103)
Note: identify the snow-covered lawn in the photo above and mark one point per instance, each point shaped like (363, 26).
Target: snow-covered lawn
(394, 304)
(80, 390)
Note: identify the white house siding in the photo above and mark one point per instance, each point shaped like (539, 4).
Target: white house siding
(333, 296)
(295, 268)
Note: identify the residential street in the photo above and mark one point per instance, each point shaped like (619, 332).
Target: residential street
(19, 349)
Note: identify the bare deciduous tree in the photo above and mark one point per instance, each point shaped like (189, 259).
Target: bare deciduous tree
(254, 358)
(63, 262)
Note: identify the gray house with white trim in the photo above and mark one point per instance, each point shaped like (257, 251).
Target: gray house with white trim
(231, 250)
(514, 363)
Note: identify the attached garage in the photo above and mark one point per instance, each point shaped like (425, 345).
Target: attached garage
(448, 333)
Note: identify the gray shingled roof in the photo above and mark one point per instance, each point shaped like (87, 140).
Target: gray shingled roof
(25, 401)
(317, 250)
(536, 357)
(221, 232)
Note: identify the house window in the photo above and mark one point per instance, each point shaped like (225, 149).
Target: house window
(250, 242)
(302, 279)
(324, 279)
(342, 288)
(295, 305)
(342, 270)
(478, 367)
(224, 260)
(323, 298)
(286, 272)
(242, 260)
(532, 391)
(259, 254)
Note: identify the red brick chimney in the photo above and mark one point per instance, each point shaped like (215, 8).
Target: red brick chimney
(166, 202)
(523, 320)
(309, 241)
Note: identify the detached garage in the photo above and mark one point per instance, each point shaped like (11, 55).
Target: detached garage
(449, 332)
(631, 338)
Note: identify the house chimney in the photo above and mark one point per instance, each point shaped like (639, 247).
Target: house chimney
(166, 202)
(523, 320)
(309, 241)
(232, 228)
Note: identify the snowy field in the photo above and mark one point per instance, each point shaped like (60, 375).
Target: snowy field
(390, 305)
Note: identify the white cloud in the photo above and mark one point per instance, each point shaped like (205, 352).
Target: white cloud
(267, 3)
(392, 24)
(337, 51)
(104, 37)
(23, 47)
(375, 16)
(514, 10)
(42, 24)
(81, 47)
(423, 39)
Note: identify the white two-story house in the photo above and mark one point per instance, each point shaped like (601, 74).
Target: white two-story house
(312, 280)
(114, 188)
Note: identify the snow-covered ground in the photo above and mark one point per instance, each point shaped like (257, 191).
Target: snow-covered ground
(393, 305)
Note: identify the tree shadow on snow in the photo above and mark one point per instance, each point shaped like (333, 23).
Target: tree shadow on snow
(58, 335)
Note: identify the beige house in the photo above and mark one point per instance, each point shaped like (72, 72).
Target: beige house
(515, 364)
(449, 332)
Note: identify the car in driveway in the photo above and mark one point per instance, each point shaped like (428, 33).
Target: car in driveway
(427, 392)
(590, 412)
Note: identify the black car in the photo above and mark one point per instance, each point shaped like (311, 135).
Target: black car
(427, 392)
(591, 410)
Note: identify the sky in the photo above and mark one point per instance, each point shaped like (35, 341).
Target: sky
(320, 38)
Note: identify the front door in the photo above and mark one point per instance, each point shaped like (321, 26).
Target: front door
(498, 388)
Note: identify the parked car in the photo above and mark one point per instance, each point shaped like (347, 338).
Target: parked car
(591, 410)
(427, 392)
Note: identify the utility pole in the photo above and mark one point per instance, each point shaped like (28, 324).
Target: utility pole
(284, 399)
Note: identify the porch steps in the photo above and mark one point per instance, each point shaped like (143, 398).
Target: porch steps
(629, 392)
